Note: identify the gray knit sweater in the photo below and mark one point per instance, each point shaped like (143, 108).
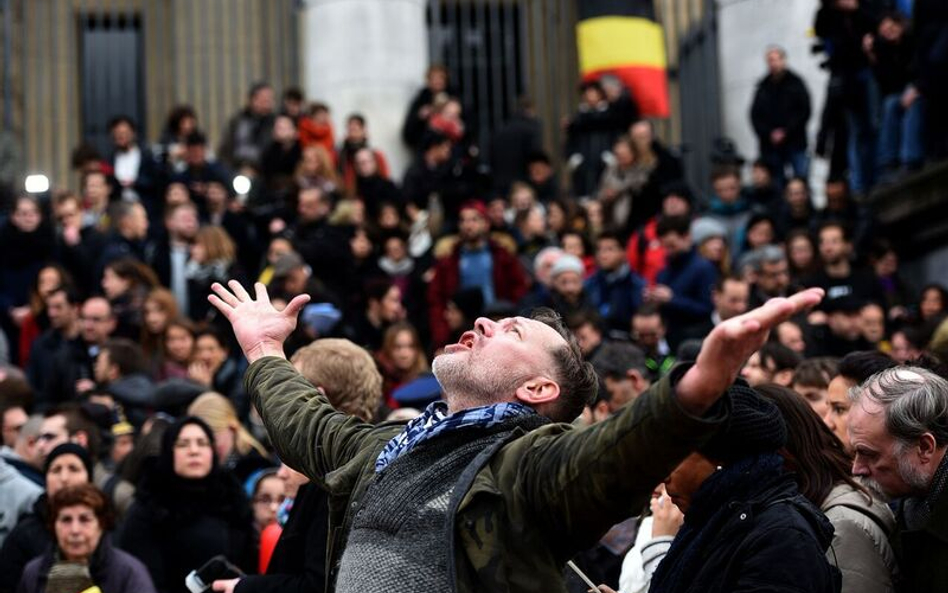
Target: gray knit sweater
(400, 538)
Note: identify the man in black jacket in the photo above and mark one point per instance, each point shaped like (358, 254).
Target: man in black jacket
(779, 114)
(351, 381)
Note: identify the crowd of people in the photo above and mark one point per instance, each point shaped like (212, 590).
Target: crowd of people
(147, 429)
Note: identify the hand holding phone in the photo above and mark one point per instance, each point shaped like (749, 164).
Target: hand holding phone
(217, 568)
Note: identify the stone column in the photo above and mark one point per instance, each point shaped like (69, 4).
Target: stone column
(366, 56)
(745, 29)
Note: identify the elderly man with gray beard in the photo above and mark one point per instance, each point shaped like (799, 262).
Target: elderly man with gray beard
(898, 428)
(490, 489)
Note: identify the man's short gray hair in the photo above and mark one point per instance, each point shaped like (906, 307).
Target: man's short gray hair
(914, 400)
(768, 254)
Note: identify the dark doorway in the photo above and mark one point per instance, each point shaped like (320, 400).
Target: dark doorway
(112, 78)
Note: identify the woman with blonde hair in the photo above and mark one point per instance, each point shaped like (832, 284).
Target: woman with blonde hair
(236, 447)
(213, 259)
(160, 308)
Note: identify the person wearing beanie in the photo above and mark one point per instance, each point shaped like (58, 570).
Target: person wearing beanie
(68, 464)
(187, 510)
(710, 238)
(567, 295)
(746, 525)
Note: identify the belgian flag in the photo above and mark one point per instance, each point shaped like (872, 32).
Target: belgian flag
(622, 38)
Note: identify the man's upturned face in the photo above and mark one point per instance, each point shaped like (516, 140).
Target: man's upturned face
(490, 362)
(878, 458)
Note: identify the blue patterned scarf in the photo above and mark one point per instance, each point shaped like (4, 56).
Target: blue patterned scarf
(436, 420)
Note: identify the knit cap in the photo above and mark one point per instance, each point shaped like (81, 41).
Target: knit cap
(70, 449)
(754, 426)
(567, 263)
(706, 228)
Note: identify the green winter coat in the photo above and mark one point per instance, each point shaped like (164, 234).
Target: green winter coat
(531, 502)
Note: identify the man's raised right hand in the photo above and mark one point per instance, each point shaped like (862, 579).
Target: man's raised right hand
(260, 328)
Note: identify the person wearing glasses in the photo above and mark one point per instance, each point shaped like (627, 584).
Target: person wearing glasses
(72, 370)
(188, 510)
(267, 496)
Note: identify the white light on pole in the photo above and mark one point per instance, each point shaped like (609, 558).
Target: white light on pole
(36, 184)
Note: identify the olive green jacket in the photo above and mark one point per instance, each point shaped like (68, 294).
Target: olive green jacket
(525, 505)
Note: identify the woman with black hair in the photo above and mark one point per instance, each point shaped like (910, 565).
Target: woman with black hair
(821, 465)
(187, 510)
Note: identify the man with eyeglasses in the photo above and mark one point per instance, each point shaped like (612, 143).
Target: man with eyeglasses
(72, 372)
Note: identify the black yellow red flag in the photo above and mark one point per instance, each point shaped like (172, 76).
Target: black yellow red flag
(622, 38)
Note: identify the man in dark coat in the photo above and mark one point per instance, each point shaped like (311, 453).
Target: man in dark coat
(138, 175)
(324, 248)
(513, 144)
(897, 428)
(780, 113)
